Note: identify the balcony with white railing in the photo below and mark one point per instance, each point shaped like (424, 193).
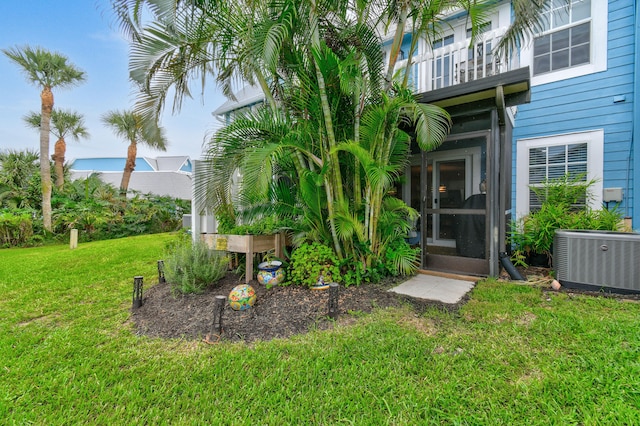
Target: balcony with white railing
(457, 63)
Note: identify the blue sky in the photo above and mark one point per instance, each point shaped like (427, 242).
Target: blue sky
(85, 32)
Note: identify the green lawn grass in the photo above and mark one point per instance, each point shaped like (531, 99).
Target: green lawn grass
(512, 355)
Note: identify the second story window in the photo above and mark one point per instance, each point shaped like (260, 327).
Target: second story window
(566, 41)
(441, 67)
(479, 44)
(441, 42)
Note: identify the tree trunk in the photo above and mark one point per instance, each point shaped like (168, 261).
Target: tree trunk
(334, 187)
(397, 43)
(129, 167)
(46, 105)
(58, 160)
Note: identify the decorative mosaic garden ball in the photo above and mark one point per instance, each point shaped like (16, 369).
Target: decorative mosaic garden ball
(242, 297)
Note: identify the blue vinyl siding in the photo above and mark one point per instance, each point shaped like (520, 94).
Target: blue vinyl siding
(587, 103)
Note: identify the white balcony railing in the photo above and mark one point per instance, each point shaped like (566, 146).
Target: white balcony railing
(457, 63)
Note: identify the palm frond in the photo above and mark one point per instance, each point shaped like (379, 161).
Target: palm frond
(528, 20)
(349, 226)
(432, 126)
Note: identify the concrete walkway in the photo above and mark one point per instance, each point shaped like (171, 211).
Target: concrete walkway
(441, 288)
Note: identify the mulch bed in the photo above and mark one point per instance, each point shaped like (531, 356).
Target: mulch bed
(283, 311)
(278, 312)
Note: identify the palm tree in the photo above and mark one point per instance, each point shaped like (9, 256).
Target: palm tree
(131, 127)
(46, 70)
(64, 123)
(290, 43)
(335, 116)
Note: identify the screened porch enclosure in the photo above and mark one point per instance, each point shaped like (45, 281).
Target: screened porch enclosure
(462, 190)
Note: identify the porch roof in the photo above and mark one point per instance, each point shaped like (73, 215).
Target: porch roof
(516, 87)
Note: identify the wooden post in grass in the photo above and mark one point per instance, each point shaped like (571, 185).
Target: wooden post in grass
(333, 301)
(73, 240)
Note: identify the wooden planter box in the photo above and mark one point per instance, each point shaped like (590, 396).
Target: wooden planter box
(247, 244)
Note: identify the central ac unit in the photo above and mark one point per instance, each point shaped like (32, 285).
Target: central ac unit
(598, 260)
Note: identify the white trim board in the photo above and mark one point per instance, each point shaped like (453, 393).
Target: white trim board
(595, 164)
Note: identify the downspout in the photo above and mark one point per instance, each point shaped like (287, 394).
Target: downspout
(502, 162)
(496, 194)
(501, 222)
(493, 197)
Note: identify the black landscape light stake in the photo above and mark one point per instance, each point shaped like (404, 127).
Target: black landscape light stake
(333, 301)
(218, 308)
(137, 292)
(216, 327)
(161, 278)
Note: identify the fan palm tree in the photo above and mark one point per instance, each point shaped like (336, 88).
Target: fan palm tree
(131, 127)
(64, 123)
(46, 70)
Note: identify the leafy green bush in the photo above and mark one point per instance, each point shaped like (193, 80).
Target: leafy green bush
(563, 208)
(89, 205)
(309, 261)
(15, 229)
(190, 267)
(354, 272)
(264, 226)
(225, 216)
(397, 256)
(95, 209)
(20, 179)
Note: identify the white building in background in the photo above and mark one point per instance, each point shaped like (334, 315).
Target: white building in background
(165, 176)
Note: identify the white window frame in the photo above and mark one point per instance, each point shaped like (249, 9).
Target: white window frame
(598, 52)
(595, 164)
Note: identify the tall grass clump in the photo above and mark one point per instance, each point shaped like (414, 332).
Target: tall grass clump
(190, 267)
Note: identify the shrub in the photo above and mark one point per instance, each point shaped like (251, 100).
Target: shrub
(98, 219)
(264, 226)
(561, 209)
(354, 272)
(190, 267)
(15, 229)
(309, 261)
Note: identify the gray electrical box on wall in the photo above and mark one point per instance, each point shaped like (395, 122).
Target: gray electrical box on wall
(612, 195)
